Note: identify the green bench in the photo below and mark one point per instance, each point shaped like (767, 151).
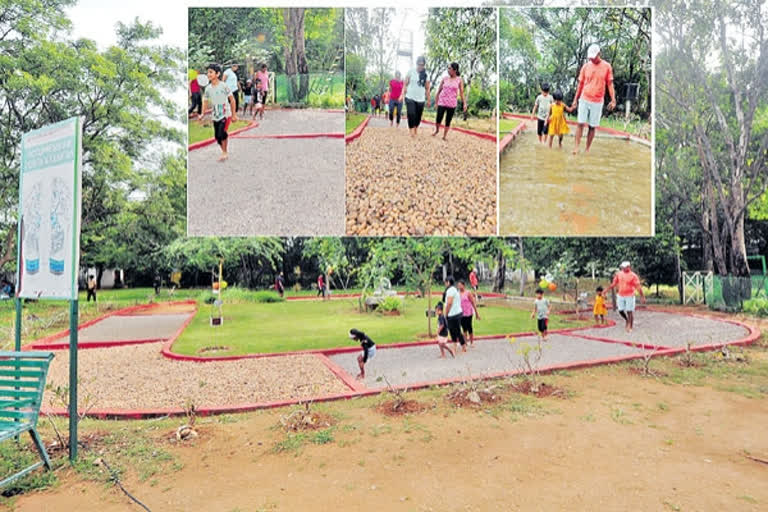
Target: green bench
(22, 382)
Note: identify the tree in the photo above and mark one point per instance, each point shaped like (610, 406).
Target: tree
(295, 56)
(720, 86)
(120, 92)
(337, 257)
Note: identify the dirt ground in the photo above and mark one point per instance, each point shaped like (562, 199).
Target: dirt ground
(618, 442)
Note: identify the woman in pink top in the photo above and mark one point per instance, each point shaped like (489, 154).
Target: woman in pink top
(468, 310)
(451, 87)
(263, 75)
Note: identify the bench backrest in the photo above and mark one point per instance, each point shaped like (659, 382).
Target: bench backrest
(22, 383)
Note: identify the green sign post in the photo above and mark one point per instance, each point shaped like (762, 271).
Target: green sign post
(48, 258)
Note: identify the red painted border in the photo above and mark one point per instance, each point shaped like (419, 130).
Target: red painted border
(604, 129)
(208, 142)
(357, 132)
(117, 312)
(487, 136)
(359, 390)
(508, 138)
(331, 135)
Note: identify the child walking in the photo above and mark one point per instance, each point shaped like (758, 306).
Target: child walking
(369, 350)
(541, 111)
(259, 99)
(223, 108)
(541, 312)
(556, 120)
(442, 332)
(599, 310)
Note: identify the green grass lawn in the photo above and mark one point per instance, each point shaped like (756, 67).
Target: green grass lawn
(616, 122)
(477, 124)
(507, 125)
(198, 133)
(353, 121)
(288, 326)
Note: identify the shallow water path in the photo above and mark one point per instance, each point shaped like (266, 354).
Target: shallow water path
(549, 191)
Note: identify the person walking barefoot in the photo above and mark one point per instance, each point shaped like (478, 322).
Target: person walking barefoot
(416, 95)
(468, 310)
(450, 88)
(442, 332)
(627, 283)
(594, 77)
(221, 100)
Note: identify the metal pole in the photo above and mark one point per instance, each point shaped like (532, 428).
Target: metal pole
(17, 327)
(73, 380)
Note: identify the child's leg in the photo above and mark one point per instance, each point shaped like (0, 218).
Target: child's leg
(361, 364)
(561, 141)
(551, 137)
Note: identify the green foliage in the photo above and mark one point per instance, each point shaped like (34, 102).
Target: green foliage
(390, 304)
(15, 457)
(757, 307)
(127, 140)
(550, 45)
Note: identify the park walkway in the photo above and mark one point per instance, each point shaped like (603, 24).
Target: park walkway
(401, 186)
(146, 378)
(270, 185)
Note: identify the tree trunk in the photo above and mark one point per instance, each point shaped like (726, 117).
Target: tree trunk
(523, 272)
(99, 275)
(501, 272)
(739, 264)
(295, 57)
(678, 268)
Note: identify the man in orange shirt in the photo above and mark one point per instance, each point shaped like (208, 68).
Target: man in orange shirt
(626, 283)
(594, 77)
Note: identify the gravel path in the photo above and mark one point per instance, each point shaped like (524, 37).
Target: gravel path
(126, 328)
(400, 186)
(423, 364)
(289, 187)
(298, 121)
(139, 377)
(670, 330)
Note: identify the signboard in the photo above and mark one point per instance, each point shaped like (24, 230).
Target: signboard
(50, 182)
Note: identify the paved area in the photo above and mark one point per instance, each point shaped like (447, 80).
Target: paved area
(126, 328)
(140, 377)
(289, 187)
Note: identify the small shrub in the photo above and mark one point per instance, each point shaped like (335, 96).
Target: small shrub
(390, 304)
(757, 307)
(267, 296)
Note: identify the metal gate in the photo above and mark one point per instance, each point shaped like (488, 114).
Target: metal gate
(695, 286)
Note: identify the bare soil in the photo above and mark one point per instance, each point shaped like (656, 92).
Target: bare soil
(618, 443)
(395, 408)
(543, 389)
(463, 397)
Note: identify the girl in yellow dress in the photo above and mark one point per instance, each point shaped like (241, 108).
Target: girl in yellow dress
(557, 124)
(599, 310)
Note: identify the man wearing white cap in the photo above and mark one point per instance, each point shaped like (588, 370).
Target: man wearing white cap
(594, 76)
(626, 283)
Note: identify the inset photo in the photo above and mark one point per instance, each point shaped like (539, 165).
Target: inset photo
(266, 122)
(575, 95)
(421, 124)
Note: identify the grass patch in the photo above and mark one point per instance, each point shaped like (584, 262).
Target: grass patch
(324, 324)
(507, 125)
(199, 132)
(352, 121)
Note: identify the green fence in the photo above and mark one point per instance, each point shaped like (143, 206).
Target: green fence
(323, 90)
(729, 293)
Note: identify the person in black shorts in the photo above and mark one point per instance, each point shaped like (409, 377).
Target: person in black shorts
(442, 332)
(453, 313)
(541, 112)
(369, 350)
(541, 309)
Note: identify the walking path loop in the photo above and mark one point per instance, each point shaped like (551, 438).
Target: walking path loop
(401, 186)
(125, 368)
(272, 185)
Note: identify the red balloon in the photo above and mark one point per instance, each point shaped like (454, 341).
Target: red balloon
(552, 287)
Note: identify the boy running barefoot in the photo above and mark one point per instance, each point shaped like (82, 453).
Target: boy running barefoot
(369, 350)
(541, 312)
(223, 108)
(442, 332)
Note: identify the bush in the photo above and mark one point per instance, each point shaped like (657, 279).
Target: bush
(390, 304)
(236, 294)
(266, 296)
(757, 307)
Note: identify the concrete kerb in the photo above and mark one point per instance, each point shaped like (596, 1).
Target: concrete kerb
(208, 142)
(357, 389)
(487, 136)
(357, 132)
(508, 138)
(603, 130)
